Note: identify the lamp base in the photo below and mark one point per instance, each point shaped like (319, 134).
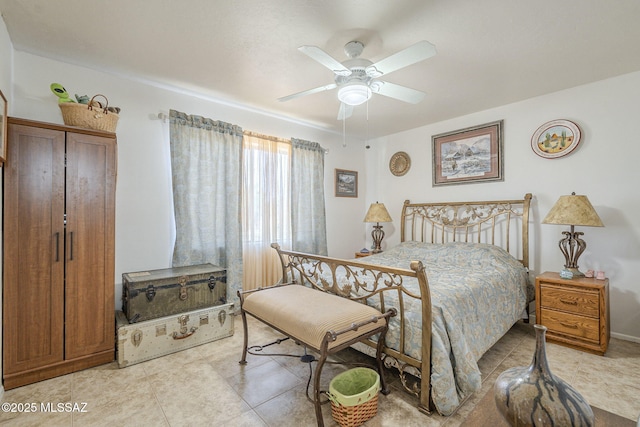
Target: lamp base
(377, 234)
(572, 246)
(576, 273)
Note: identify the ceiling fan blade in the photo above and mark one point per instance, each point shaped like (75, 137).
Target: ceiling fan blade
(308, 92)
(409, 56)
(345, 111)
(398, 92)
(325, 59)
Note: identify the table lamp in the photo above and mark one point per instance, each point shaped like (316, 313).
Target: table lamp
(377, 213)
(573, 210)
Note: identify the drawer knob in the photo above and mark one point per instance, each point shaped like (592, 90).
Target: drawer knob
(568, 302)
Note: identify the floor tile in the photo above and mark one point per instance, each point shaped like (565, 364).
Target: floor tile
(292, 409)
(248, 419)
(264, 382)
(195, 394)
(44, 395)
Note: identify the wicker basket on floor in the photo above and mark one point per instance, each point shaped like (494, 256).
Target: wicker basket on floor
(354, 396)
(353, 416)
(88, 116)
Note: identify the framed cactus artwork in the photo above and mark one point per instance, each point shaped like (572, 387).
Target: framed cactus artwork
(556, 138)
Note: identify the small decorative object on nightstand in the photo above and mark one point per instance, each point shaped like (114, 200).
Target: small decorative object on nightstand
(363, 253)
(575, 311)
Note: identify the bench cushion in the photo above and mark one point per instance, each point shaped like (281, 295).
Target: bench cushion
(307, 315)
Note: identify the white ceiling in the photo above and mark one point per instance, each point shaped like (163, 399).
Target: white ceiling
(490, 52)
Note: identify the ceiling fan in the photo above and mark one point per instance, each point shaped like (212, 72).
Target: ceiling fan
(357, 78)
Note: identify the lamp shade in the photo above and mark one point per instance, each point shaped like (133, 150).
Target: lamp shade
(354, 93)
(377, 213)
(573, 210)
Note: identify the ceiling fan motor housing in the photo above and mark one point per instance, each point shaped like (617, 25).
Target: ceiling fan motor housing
(358, 74)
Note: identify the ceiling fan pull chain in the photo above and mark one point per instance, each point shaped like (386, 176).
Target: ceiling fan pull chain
(366, 136)
(344, 140)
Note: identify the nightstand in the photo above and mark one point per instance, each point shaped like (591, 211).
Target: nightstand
(362, 254)
(575, 311)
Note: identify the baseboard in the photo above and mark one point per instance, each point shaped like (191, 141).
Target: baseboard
(625, 337)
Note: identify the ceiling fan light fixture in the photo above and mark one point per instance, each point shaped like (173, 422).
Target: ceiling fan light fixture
(354, 93)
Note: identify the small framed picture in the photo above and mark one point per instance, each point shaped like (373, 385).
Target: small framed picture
(3, 129)
(468, 155)
(346, 183)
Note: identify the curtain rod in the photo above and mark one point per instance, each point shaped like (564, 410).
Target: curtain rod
(164, 117)
(267, 137)
(272, 138)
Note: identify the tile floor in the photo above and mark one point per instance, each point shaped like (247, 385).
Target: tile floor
(205, 386)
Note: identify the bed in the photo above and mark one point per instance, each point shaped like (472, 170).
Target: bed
(458, 280)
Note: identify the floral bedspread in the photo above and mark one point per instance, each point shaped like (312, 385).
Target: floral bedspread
(478, 292)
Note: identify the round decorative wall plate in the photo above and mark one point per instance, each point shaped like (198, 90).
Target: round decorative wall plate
(400, 163)
(555, 139)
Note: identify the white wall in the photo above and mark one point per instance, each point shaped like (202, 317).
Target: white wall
(144, 210)
(604, 167)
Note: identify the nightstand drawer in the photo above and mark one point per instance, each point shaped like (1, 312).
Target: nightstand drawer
(570, 324)
(581, 302)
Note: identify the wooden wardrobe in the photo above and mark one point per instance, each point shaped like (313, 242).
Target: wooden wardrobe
(59, 231)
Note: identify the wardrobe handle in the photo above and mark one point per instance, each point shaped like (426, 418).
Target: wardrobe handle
(57, 246)
(71, 246)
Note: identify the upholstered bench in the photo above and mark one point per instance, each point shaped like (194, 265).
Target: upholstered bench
(322, 321)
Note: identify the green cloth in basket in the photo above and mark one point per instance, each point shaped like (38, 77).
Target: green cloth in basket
(355, 386)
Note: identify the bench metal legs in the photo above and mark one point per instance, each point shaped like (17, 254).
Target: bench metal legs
(325, 351)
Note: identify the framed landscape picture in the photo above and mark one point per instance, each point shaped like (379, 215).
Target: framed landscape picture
(468, 155)
(346, 183)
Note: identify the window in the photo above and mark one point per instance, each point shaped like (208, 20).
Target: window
(266, 210)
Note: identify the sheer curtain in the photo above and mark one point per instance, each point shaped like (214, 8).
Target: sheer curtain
(308, 221)
(206, 162)
(266, 212)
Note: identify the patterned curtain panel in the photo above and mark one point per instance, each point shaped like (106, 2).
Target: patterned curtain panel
(308, 221)
(206, 163)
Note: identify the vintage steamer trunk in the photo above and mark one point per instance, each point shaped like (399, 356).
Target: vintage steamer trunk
(158, 293)
(139, 342)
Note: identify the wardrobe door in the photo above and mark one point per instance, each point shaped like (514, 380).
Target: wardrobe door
(33, 300)
(90, 234)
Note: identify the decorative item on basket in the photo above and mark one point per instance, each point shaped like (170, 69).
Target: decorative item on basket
(87, 112)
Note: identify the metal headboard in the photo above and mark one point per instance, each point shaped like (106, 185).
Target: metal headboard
(503, 223)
